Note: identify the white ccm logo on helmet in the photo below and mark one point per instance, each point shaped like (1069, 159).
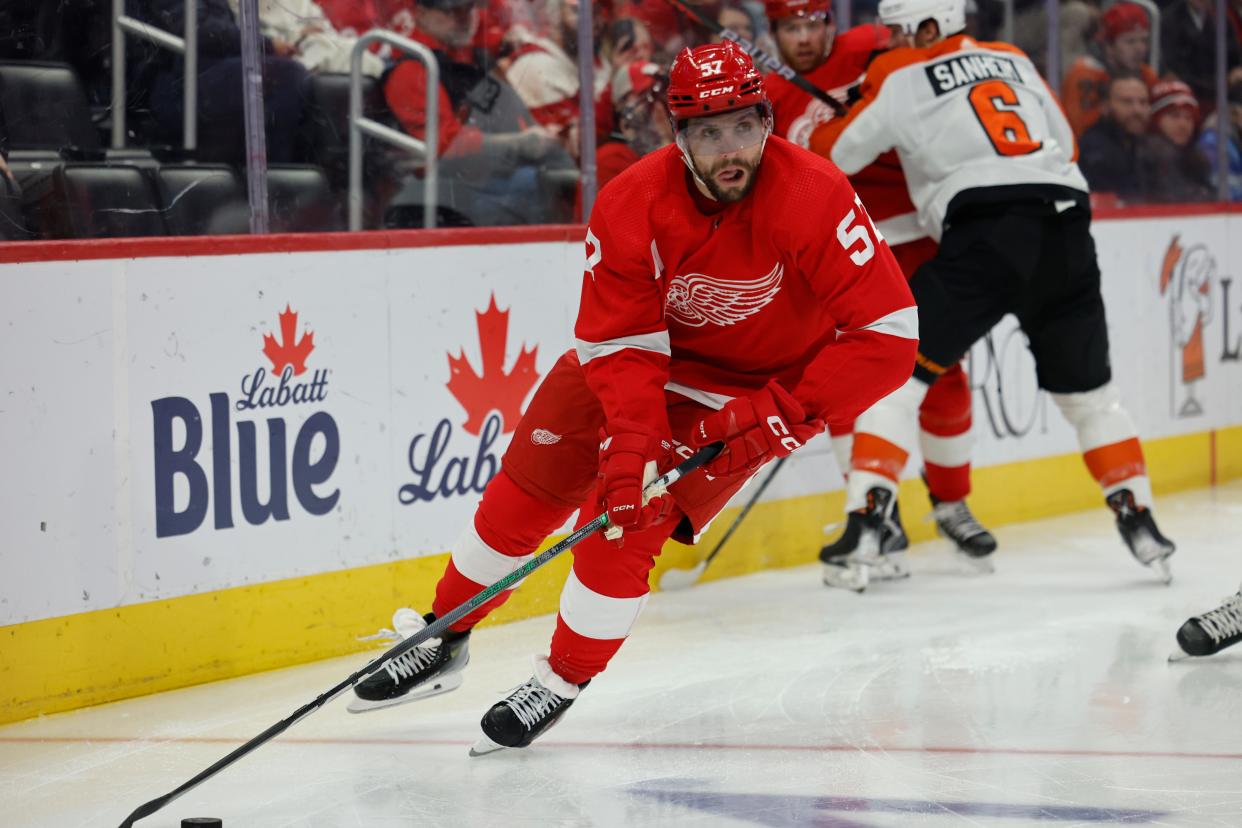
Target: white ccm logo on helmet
(717, 92)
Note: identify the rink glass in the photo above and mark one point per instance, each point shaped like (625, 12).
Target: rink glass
(76, 171)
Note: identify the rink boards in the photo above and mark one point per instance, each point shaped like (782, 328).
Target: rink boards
(232, 455)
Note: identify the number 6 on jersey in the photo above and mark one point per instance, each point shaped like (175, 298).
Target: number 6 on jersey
(995, 104)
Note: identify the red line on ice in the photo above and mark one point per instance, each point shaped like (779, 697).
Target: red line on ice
(823, 748)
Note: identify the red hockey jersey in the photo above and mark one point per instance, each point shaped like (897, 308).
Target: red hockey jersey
(796, 112)
(789, 283)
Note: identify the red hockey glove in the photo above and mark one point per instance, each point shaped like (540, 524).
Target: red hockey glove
(629, 457)
(769, 423)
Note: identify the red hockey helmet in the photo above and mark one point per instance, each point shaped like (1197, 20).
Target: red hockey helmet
(713, 78)
(780, 9)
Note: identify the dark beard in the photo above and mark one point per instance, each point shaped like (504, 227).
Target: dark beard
(734, 195)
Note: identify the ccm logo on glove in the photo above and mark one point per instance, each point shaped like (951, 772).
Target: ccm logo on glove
(769, 423)
(630, 456)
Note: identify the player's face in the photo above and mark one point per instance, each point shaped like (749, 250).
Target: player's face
(927, 34)
(1129, 50)
(803, 41)
(725, 150)
(897, 37)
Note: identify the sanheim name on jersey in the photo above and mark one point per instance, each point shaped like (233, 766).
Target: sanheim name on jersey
(964, 70)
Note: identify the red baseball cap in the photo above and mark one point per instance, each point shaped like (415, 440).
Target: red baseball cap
(1121, 18)
(634, 78)
(780, 9)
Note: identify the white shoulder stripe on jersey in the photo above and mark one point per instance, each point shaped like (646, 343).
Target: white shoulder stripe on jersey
(656, 342)
(903, 323)
(707, 398)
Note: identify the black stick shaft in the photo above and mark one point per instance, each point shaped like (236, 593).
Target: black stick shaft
(750, 504)
(770, 62)
(432, 630)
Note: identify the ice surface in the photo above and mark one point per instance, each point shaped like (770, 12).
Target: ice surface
(1039, 694)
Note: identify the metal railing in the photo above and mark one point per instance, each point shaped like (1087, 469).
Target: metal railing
(186, 46)
(358, 124)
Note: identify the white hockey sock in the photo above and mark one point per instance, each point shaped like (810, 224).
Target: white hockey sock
(894, 420)
(842, 448)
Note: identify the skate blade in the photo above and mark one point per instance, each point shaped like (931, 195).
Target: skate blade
(854, 577)
(890, 573)
(485, 746)
(1179, 655)
(442, 684)
(976, 566)
(887, 567)
(1162, 569)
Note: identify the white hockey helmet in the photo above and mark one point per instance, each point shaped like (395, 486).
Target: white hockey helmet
(908, 14)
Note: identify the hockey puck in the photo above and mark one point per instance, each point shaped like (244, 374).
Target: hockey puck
(202, 822)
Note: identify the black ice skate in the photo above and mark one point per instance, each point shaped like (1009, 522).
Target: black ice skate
(530, 710)
(955, 522)
(1208, 634)
(871, 547)
(429, 669)
(1138, 529)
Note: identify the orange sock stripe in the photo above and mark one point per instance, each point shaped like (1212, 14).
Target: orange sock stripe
(875, 454)
(1116, 462)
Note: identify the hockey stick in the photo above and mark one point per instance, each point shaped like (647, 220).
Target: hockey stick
(770, 62)
(682, 578)
(433, 630)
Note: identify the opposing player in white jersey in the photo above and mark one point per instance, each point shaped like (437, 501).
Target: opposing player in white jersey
(990, 162)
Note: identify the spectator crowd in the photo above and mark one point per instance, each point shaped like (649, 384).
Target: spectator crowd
(1139, 88)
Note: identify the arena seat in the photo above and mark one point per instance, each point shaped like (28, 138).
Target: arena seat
(101, 201)
(46, 109)
(301, 200)
(201, 198)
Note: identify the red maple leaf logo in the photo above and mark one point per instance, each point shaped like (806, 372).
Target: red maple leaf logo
(286, 352)
(494, 390)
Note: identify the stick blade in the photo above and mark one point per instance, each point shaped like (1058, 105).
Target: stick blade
(674, 579)
(145, 810)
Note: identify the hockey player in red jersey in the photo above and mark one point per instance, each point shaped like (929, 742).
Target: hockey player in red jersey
(944, 426)
(991, 164)
(808, 42)
(714, 308)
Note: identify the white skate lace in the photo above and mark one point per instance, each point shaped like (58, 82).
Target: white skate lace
(1225, 621)
(531, 702)
(956, 520)
(409, 663)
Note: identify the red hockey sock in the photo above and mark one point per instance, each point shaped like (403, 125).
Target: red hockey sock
(508, 526)
(944, 436)
(602, 598)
